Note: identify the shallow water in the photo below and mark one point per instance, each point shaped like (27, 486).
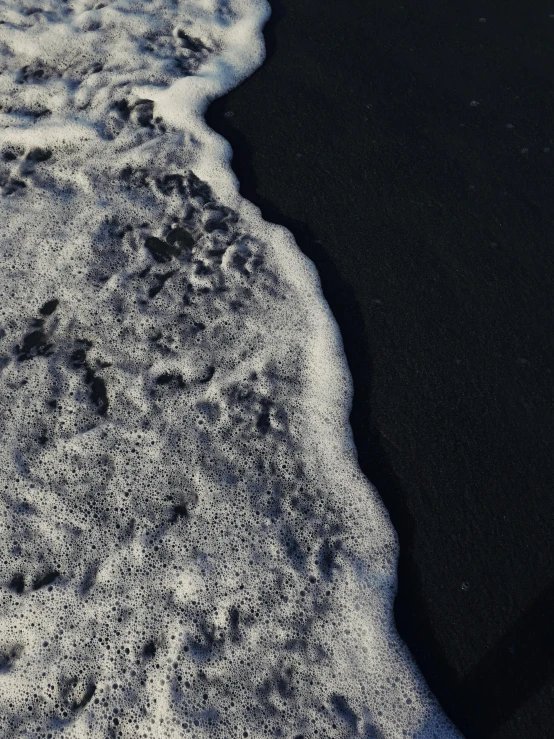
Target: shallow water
(189, 547)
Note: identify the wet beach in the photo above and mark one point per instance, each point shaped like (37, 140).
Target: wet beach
(409, 150)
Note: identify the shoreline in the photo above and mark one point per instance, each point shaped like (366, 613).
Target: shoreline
(426, 216)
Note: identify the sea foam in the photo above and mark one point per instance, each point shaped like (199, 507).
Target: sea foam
(188, 545)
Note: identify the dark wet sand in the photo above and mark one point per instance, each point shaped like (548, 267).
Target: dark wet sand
(429, 219)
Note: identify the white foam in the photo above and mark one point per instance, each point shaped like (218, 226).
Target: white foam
(189, 547)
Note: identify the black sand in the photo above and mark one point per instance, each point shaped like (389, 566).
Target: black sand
(429, 220)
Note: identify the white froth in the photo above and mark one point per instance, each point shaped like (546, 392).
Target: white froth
(189, 547)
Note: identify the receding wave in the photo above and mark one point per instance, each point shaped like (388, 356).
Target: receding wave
(188, 545)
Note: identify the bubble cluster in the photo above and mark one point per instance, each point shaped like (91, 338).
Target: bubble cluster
(188, 545)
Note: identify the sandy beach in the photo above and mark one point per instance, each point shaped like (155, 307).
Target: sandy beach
(409, 150)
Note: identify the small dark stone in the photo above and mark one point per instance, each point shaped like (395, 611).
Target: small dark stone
(35, 344)
(162, 279)
(13, 186)
(169, 379)
(214, 224)
(208, 376)
(263, 423)
(79, 358)
(179, 511)
(164, 379)
(160, 250)
(149, 650)
(142, 112)
(47, 579)
(17, 583)
(180, 238)
(49, 307)
(200, 189)
(99, 395)
(39, 155)
(223, 213)
(194, 44)
(217, 253)
(202, 269)
(169, 183)
(123, 107)
(153, 291)
(234, 618)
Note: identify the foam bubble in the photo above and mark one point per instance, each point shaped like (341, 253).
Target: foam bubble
(189, 547)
